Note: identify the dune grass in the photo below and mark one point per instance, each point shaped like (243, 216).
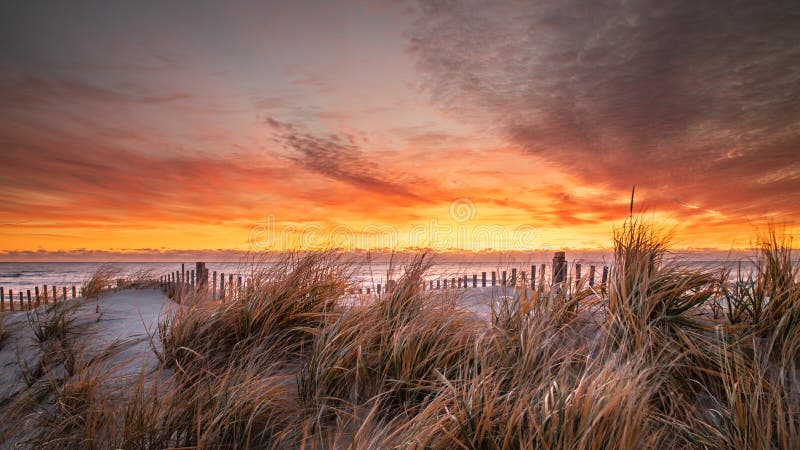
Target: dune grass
(642, 362)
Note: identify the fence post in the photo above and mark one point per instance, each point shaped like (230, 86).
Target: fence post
(29, 299)
(542, 275)
(591, 275)
(494, 278)
(45, 294)
(505, 279)
(11, 299)
(559, 268)
(55, 294)
(513, 277)
(605, 274)
(65, 292)
(200, 268)
(230, 285)
(2, 299)
(73, 291)
(483, 279)
(474, 280)
(21, 304)
(577, 275)
(222, 286)
(533, 276)
(214, 286)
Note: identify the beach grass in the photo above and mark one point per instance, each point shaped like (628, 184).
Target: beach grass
(663, 356)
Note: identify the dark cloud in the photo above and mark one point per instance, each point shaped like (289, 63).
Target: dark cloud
(339, 157)
(688, 99)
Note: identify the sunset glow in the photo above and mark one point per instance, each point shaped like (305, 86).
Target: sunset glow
(368, 124)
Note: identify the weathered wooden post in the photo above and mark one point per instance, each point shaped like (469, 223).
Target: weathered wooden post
(2, 299)
(438, 284)
(591, 275)
(55, 294)
(577, 275)
(533, 276)
(29, 299)
(44, 289)
(524, 279)
(559, 268)
(474, 280)
(542, 275)
(605, 274)
(230, 286)
(505, 279)
(64, 291)
(513, 277)
(483, 279)
(430, 287)
(21, 304)
(494, 278)
(214, 286)
(222, 286)
(11, 299)
(36, 295)
(202, 278)
(378, 288)
(73, 291)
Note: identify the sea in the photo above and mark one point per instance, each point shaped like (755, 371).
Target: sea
(22, 276)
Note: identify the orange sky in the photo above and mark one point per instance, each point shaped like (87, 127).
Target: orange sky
(457, 126)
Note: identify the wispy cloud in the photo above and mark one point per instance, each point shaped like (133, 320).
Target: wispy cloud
(695, 99)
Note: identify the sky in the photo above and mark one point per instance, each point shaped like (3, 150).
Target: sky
(153, 127)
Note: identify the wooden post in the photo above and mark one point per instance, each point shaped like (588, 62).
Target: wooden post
(65, 293)
(55, 294)
(11, 299)
(591, 275)
(438, 284)
(513, 277)
(192, 279)
(483, 279)
(494, 278)
(605, 274)
(239, 283)
(542, 269)
(214, 286)
(524, 280)
(459, 282)
(2, 299)
(452, 283)
(45, 294)
(21, 304)
(533, 276)
(29, 299)
(378, 289)
(36, 295)
(474, 280)
(73, 291)
(222, 286)
(183, 271)
(559, 268)
(200, 268)
(230, 285)
(504, 281)
(430, 288)
(577, 275)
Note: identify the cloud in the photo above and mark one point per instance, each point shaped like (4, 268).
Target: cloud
(689, 100)
(339, 157)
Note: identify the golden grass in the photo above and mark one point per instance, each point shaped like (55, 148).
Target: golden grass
(638, 363)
